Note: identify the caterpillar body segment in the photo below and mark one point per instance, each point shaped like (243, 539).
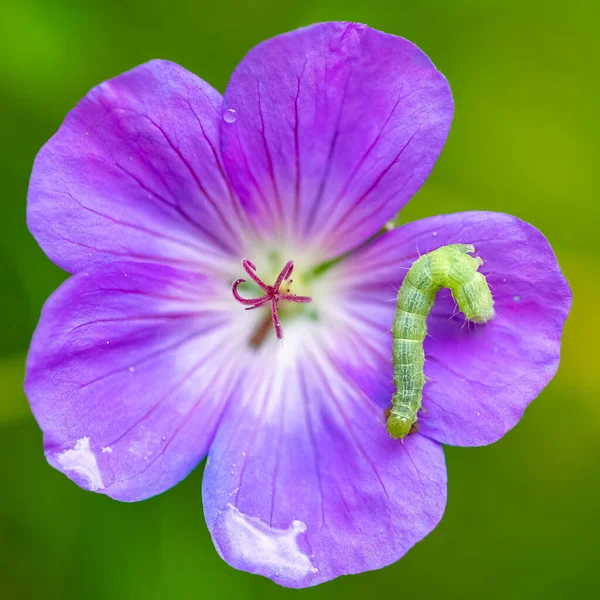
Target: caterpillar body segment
(447, 267)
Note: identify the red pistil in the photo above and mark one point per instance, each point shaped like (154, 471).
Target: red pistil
(272, 293)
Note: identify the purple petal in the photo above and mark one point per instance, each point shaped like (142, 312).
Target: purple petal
(303, 483)
(135, 173)
(481, 378)
(329, 130)
(128, 374)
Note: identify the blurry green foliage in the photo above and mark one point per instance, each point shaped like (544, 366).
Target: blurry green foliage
(521, 520)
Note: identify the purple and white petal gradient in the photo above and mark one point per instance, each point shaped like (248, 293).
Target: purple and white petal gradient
(153, 192)
(334, 128)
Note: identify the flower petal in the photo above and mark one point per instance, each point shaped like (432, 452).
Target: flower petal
(329, 130)
(128, 373)
(303, 483)
(480, 378)
(135, 172)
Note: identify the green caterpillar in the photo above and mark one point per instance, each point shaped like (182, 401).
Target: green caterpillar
(447, 267)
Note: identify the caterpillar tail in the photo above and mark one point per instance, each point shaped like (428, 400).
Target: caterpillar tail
(450, 267)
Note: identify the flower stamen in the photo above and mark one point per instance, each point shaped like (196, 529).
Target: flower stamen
(273, 293)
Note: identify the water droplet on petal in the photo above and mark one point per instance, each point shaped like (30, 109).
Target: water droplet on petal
(434, 233)
(229, 116)
(516, 298)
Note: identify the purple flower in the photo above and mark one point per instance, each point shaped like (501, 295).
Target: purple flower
(151, 193)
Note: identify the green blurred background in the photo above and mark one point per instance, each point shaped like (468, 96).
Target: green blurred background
(522, 515)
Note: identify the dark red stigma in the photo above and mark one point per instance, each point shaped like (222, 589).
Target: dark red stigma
(271, 292)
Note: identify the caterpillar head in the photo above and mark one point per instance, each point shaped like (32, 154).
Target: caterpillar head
(398, 426)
